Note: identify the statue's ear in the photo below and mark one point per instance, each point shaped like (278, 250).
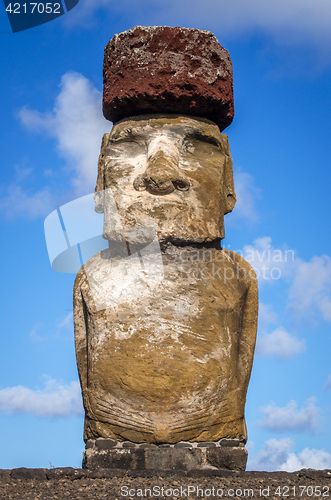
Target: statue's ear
(100, 185)
(228, 184)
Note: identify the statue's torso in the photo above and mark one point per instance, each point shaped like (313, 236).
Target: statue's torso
(163, 363)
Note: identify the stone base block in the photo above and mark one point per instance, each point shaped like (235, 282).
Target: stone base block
(226, 454)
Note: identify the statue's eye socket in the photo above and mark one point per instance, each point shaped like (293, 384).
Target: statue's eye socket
(126, 148)
(188, 147)
(139, 183)
(202, 144)
(181, 185)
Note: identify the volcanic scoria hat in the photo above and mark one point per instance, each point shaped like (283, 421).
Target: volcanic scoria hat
(158, 69)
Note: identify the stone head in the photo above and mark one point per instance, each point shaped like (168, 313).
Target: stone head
(171, 173)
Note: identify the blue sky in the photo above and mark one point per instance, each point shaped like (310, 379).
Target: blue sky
(51, 130)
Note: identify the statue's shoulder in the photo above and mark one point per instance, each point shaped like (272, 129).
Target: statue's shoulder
(80, 279)
(95, 262)
(235, 259)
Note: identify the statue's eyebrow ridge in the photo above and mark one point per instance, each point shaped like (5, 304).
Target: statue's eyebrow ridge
(205, 137)
(125, 135)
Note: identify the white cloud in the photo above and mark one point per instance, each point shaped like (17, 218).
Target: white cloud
(54, 400)
(310, 292)
(291, 23)
(22, 172)
(67, 322)
(86, 8)
(270, 263)
(289, 418)
(266, 314)
(278, 455)
(33, 335)
(309, 287)
(64, 323)
(327, 386)
(65, 326)
(279, 344)
(77, 124)
(247, 194)
(20, 202)
(307, 459)
(273, 453)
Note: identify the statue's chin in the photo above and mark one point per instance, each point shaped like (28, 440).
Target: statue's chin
(168, 231)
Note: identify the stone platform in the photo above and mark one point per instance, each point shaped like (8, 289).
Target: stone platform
(101, 484)
(226, 454)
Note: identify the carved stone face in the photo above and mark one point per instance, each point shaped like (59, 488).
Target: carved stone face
(166, 172)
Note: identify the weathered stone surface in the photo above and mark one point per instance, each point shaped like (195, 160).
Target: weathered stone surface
(128, 444)
(207, 445)
(179, 370)
(24, 473)
(229, 442)
(168, 173)
(158, 458)
(5, 473)
(159, 69)
(227, 458)
(65, 472)
(90, 443)
(104, 444)
(166, 358)
(110, 484)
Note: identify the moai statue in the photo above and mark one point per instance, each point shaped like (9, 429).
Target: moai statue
(165, 318)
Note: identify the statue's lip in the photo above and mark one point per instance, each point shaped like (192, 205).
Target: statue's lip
(168, 204)
(165, 200)
(175, 202)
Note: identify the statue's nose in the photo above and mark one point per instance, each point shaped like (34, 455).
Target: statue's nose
(161, 175)
(161, 179)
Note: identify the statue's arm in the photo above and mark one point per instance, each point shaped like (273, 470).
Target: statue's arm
(80, 324)
(248, 330)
